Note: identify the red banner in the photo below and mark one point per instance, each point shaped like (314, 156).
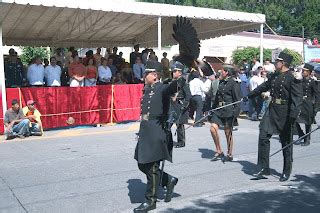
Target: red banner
(86, 105)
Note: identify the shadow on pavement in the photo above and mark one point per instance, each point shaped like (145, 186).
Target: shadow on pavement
(303, 197)
(207, 153)
(250, 168)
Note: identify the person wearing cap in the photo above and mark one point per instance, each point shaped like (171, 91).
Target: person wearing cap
(228, 92)
(16, 124)
(13, 70)
(178, 112)
(154, 137)
(284, 108)
(310, 104)
(34, 116)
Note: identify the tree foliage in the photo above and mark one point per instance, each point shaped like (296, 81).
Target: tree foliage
(248, 54)
(285, 17)
(29, 53)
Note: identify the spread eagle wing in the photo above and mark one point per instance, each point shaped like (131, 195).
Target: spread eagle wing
(189, 43)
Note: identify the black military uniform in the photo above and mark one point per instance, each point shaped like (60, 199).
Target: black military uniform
(286, 93)
(13, 70)
(178, 112)
(155, 140)
(311, 99)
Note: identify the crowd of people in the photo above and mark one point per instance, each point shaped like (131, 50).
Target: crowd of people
(69, 69)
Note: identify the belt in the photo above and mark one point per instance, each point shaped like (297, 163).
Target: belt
(279, 101)
(147, 117)
(222, 103)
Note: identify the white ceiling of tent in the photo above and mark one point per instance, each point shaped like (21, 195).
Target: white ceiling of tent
(93, 23)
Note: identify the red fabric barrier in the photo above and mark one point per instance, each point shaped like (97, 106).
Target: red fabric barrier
(87, 105)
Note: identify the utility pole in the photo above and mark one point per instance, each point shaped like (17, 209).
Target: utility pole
(303, 52)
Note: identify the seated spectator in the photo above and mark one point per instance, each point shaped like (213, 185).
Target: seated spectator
(16, 124)
(13, 70)
(34, 116)
(77, 73)
(45, 62)
(89, 55)
(35, 74)
(104, 72)
(52, 73)
(92, 74)
(126, 72)
(112, 67)
(119, 79)
(138, 71)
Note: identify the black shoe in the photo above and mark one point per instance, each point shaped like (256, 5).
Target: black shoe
(306, 142)
(228, 158)
(145, 207)
(180, 145)
(218, 157)
(284, 177)
(170, 188)
(261, 173)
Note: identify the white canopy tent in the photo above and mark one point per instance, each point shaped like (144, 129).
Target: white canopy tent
(83, 23)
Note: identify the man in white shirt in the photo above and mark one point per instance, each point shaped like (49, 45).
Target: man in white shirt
(35, 73)
(52, 73)
(104, 72)
(256, 103)
(269, 67)
(198, 90)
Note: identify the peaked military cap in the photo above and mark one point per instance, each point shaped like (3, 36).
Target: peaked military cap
(177, 66)
(153, 66)
(285, 57)
(308, 67)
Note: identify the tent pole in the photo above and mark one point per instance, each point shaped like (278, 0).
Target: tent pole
(261, 44)
(159, 34)
(2, 81)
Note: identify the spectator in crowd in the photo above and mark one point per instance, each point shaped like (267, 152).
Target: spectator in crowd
(165, 66)
(60, 56)
(13, 69)
(64, 74)
(256, 103)
(265, 95)
(198, 90)
(119, 79)
(138, 71)
(104, 72)
(34, 116)
(315, 41)
(145, 55)
(89, 55)
(77, 73)
(313, 76)
(97, 57)
(246, 68)
(45, 62)
(52, 74)
(244, 89)
(134, 55)
(115, 58)
(92, 74)
(212, 84)
(68, 58)
(16, 124)
(127, 73)
(152, 56)
(121, 58)
(269, 67)
(255, 64)
(112, 67)
(35, 73)
(107, 53)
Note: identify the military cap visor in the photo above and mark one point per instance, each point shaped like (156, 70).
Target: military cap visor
(308, 67)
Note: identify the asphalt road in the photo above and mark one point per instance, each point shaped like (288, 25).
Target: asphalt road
(93, 170)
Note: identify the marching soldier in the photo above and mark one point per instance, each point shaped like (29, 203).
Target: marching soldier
(228, 92)
(155, 138)
(286, 93)
(311, 100)
(179, 104)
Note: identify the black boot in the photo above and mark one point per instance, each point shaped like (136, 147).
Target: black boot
(170, 188)
(261, 174)
(306, 141)
(286, 171)
(145, 207)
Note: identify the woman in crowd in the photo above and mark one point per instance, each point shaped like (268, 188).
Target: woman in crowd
(92, 74)
(77, 72)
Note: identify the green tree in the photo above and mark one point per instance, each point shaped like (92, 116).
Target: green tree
(297, 58)
(248, 54)
(29, 53)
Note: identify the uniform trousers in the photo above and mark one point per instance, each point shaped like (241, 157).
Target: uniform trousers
(300, 131)
(264, 148)
(153, 173)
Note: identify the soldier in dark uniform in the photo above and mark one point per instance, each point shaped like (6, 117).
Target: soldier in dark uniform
(228, 92)
(311, 99)
(178, 112)
(284, 108)
(155, 138)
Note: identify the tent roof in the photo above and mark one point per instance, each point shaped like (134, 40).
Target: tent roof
(93, 23)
